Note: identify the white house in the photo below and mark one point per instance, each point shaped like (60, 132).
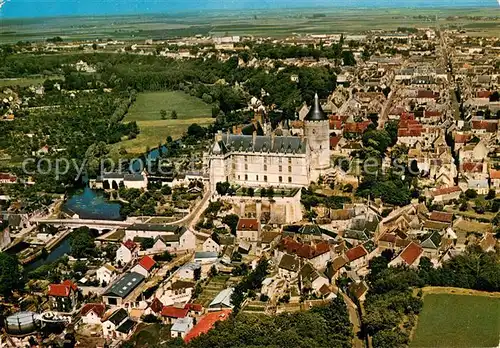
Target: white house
(144, 266)
(248, 230)
(204, 258)
(106, 274)
(92, 313)
(209, 245)
(126, 253)
(181, 327)
(357, 257)
(111, 322)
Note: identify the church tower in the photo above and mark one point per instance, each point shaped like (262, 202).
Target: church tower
(317, 132)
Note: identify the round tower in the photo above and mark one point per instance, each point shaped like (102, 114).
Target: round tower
(317, 132)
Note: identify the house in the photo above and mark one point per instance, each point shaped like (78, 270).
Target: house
(188, 271)
(222, 301)
(126, 253)
(312, 279)
(248, 230)
(179, 237)
(144, 266)
(209, 245)
(155, 307)
(181, 327)
(357, 257)
(179, 291)
(204, 258)
(495, 180)
(318, 253)
(106, 274)
(440, 216)
(117, 325)
(431, 245)
(446, 194)
(7, 178)
(92, 313)
(118, 292)
(288, 267)
(410, 256)
(172, 313)
(359, 290)
(63, 297)
(206, 323)
(335, 266)
(195, 309)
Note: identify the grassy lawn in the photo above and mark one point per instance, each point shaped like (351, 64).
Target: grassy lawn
(458, 321)
(27, 81)
(146, 112)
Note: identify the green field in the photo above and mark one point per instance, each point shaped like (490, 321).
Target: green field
(458, 321)
(146, 112)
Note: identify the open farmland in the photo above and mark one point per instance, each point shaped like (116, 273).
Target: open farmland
(449, 320)
(153, 129)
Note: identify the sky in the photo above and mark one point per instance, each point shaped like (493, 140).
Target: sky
(47, 8)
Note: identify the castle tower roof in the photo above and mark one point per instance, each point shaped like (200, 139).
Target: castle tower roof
(316, 113)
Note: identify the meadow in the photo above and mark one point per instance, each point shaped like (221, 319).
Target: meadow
(450, 320)
(153, 129)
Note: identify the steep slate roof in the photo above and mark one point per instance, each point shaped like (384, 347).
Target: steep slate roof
(316, 112)
(274, 144)
(289, 263)
(127, 326)
(432, 241)
(156, 305)
(118, 316)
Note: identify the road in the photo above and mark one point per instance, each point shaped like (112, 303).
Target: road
(355, 320)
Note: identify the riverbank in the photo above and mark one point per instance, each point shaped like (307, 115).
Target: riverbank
(32, 261)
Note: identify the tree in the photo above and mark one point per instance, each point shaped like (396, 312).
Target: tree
(197, 273)
(213, 271)
(147, 243)
(251, 192)
(163, 114)
(196, 131)
(82, 243)
(491, 194)
(173, 115)
(166, 190)
(377, 139)
(80, 267)
(222, 188)
(11, 278)
(232, 221)
(471, 194)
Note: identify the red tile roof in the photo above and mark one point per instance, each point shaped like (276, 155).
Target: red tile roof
(356, 253)
(97, 308)
(130, 244)
(411, 253)
(494, 174)
(174, 312)
(62, 290)
(156, 305)
(489, 126)
(441, 216)
(472, 167)
(356, 127)
(445, 190)
(303, 250)
(206, 323)
(193, 307)
(147, 263)
(8, 177)
(462, 138)
(248, 225)
(334, 141)
(388, 237)
(483, 94)
(427, 94)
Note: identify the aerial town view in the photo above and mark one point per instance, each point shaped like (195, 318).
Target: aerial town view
(219, 174)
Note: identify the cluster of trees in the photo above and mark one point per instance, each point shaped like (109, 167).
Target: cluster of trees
(249, 284)
(310, 199)
(82, 243)
(11, 276)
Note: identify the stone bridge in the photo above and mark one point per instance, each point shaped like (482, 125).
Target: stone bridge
(100, 225)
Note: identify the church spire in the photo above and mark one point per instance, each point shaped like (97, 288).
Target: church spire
(316, 112)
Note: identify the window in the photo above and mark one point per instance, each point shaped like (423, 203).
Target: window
(246, 177)
(246, 158)
(289, 169)
(290, 179)
(256, 178)
(280, 179)
(265, 178)
(238, 177)
(289, 161)
(281, 160)
(265, 166)
(281, 168)
(246, 166)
